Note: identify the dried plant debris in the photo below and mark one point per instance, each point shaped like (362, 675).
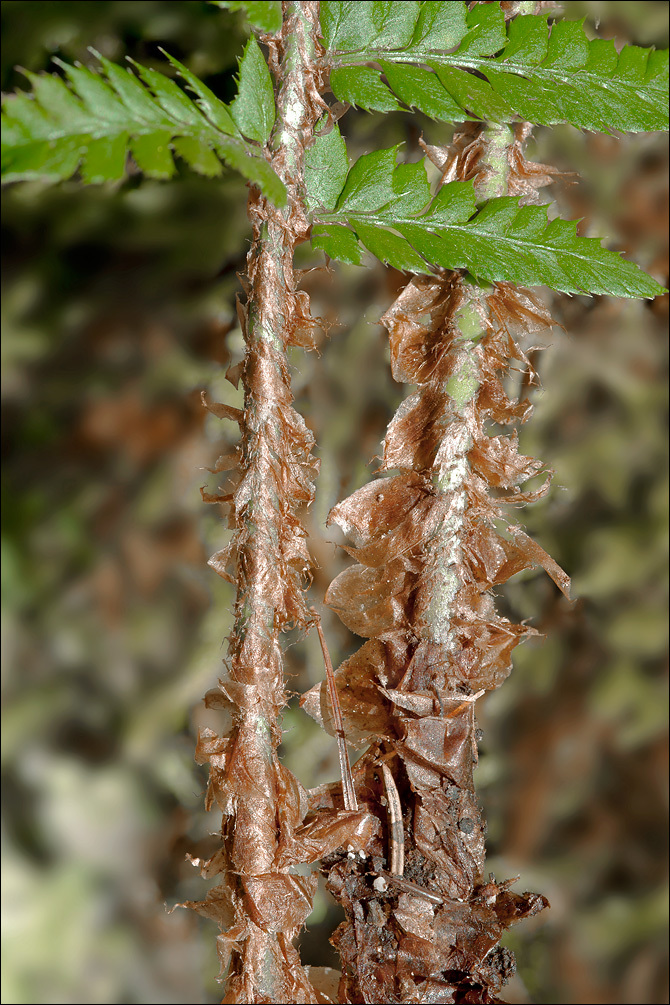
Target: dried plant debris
(261, 901)
(260, 904)
(422, 921)
(401, 838)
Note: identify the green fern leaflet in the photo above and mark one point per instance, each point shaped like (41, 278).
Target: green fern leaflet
(389, 208)
(495, 71)
(88, 123)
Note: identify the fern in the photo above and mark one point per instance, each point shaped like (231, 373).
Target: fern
(389, 208)
(262, 14)
(427, 539)
(545, 76)
(95, 123)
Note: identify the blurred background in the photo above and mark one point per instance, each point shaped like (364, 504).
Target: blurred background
(118, 308)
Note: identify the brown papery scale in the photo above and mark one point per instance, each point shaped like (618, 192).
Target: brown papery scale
(261, 901)
(429, 546)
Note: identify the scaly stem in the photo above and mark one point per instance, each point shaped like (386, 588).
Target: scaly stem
(452, 467)
(260, 801)
(429, 554)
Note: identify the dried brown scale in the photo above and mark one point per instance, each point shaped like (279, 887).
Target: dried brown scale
(466, 159)
(403, 686)
(428, 549)
(258, 904)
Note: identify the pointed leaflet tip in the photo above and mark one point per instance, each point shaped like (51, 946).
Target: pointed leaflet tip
(253, 109)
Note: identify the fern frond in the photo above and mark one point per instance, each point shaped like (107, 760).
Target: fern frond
(262, 14)
(388, 208)
(90, 122)
(545, 75)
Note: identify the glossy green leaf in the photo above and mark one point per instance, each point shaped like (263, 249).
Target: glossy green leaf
(542, 74)
(96, 95)
(474, 95)
(346, 25)
(422, 89)
(369, 185)
(42, 160)
(486, 33)
(105, 159)
(24, 120)
(198, 155)
(567, 47)
(60, 104)
(152, 155)
(394, 22)
(214, 109)
(253, 168)
(94, 123)
(326, 168)
(411, 191)
(253, 109)
(263, 14)
(134, 96)
(454, 203)
(389, 248)
(362, 86)
(633, 63)
(384, 27)
(337, 242)
(440, 25)
(527, 40)
(389, 208)
(170, 97)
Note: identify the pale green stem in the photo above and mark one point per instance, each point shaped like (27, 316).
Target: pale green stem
(452, 467)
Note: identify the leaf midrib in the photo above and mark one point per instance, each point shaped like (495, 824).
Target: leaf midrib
(111, 130)
(467, 228)
(550, 74)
